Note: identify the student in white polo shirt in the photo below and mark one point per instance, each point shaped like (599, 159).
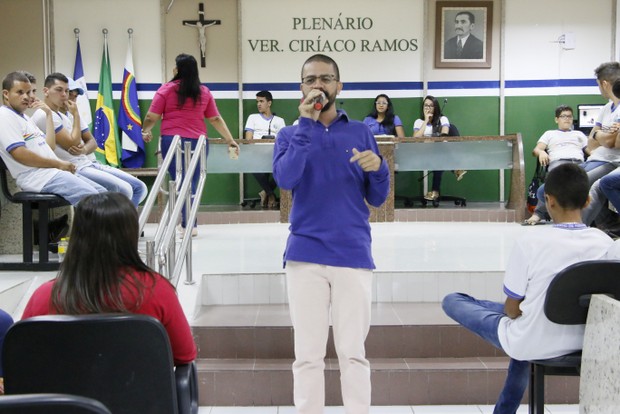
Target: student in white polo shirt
(519, 326)
(27, 151)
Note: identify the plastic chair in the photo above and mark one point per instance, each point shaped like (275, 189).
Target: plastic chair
(123, 360)
(50, 404)
(566, 303)
(32, 201)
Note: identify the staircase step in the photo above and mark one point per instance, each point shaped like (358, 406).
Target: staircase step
(272, 342)
(395, 381)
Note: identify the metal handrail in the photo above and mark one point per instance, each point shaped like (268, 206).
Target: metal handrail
(163, 245)
(163, 169)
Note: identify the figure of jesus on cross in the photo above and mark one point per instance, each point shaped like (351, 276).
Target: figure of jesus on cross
(201, 24)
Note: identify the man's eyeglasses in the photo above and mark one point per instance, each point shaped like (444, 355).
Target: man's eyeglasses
(324, 79)
(566, 116)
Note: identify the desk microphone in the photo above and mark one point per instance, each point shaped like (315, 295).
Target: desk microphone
(270, 121)
(445, 101)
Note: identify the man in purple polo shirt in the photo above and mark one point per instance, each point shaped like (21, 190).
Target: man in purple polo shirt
(332, 165)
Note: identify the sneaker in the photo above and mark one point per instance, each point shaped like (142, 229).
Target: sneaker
(459, 174)
(532, 221)
(263, 198)
(432, 195)
(272, 203)
(181, 231)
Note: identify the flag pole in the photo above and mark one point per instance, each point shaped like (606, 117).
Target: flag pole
(105, 39)
(76, 31)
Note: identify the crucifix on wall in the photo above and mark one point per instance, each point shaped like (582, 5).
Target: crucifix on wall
(201, 24)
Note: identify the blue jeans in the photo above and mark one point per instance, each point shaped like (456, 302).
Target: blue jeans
(541, 207)
(70, 187)
(5, 323)
(595, 170)
(482, 318)
(610, 186)
(436, 183)
(166, 141)
(116, 180)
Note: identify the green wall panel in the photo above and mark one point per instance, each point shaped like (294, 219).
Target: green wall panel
(530, 116)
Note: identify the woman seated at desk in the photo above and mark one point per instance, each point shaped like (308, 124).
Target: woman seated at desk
(382, 120)
(434, 124)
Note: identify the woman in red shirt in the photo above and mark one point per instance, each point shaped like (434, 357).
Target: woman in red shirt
(102, 272)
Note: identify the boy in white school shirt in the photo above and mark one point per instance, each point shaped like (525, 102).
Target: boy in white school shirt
(519, 326)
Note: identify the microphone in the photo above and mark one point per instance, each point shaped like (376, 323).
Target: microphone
(318, 103)
(269, 127)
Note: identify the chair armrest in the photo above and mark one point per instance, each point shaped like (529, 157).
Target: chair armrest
(187, 388)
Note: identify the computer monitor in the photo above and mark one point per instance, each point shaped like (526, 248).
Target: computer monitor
(587, 114)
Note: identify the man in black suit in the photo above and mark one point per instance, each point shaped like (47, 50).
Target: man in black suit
(464, 45)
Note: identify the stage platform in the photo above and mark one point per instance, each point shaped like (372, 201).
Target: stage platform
(420, 358)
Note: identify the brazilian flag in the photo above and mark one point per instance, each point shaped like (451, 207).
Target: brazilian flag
(105, 129)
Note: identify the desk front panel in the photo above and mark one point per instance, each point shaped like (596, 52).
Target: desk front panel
(453, 155)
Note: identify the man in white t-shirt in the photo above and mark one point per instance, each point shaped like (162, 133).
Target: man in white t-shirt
(264, 124)
(75, 143)
(519, 326)
(27, 151)
(603, 145)
(555, 147)
(610, 184)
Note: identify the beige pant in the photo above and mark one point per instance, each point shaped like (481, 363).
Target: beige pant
(312, 288)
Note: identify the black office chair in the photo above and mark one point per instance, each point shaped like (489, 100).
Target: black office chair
(50, 404)
(123, 360)
(566, 303)
(32, 201)
(453, 131)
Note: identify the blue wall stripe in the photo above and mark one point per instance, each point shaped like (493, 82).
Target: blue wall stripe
(146, 87)
(386, 86)
(350, 86)
(549, 83)
(464, 85)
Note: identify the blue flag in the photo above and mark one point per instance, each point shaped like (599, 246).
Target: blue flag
(82, 100)
(129, 118)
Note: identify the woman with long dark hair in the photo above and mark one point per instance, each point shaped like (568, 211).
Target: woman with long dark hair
(382, 120)
(184, 103)
(434, 124)
(102, 272)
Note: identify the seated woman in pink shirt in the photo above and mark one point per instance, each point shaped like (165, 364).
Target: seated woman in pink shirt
(183, 104)
(103, 273)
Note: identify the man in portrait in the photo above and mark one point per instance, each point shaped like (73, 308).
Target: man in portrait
(464, 45)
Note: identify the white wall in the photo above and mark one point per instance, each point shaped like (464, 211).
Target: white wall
(533, 30)
(370, 40)
(91, 16)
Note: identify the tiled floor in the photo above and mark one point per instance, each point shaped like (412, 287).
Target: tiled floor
(257, 248)
(435, 409)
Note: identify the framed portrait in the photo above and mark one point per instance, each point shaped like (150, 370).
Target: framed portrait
(463, 33)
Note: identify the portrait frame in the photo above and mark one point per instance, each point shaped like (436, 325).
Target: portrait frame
(446, 36)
